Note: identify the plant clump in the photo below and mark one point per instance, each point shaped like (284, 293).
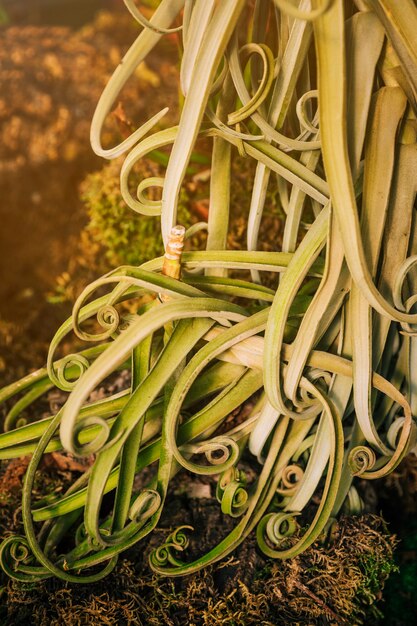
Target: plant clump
(317, 364)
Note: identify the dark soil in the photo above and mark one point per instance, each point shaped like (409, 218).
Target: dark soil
(398, 502)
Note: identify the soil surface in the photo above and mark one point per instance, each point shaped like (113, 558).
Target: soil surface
(333, 583)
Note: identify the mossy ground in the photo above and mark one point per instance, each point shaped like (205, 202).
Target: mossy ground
(333, 583)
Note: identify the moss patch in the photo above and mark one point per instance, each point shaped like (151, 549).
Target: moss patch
(328, 584)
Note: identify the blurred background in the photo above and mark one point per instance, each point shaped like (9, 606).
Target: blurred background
(62, 219)
(41, 12)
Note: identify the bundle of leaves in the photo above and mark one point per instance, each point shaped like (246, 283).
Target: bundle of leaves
(319, 358)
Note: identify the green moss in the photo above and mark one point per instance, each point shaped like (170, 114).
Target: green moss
(125, 236)
(375, 570)
(333, 584)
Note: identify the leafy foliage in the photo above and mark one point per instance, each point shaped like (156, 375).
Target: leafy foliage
(322, 100)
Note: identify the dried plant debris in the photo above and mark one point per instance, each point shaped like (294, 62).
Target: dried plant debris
(333, 584)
